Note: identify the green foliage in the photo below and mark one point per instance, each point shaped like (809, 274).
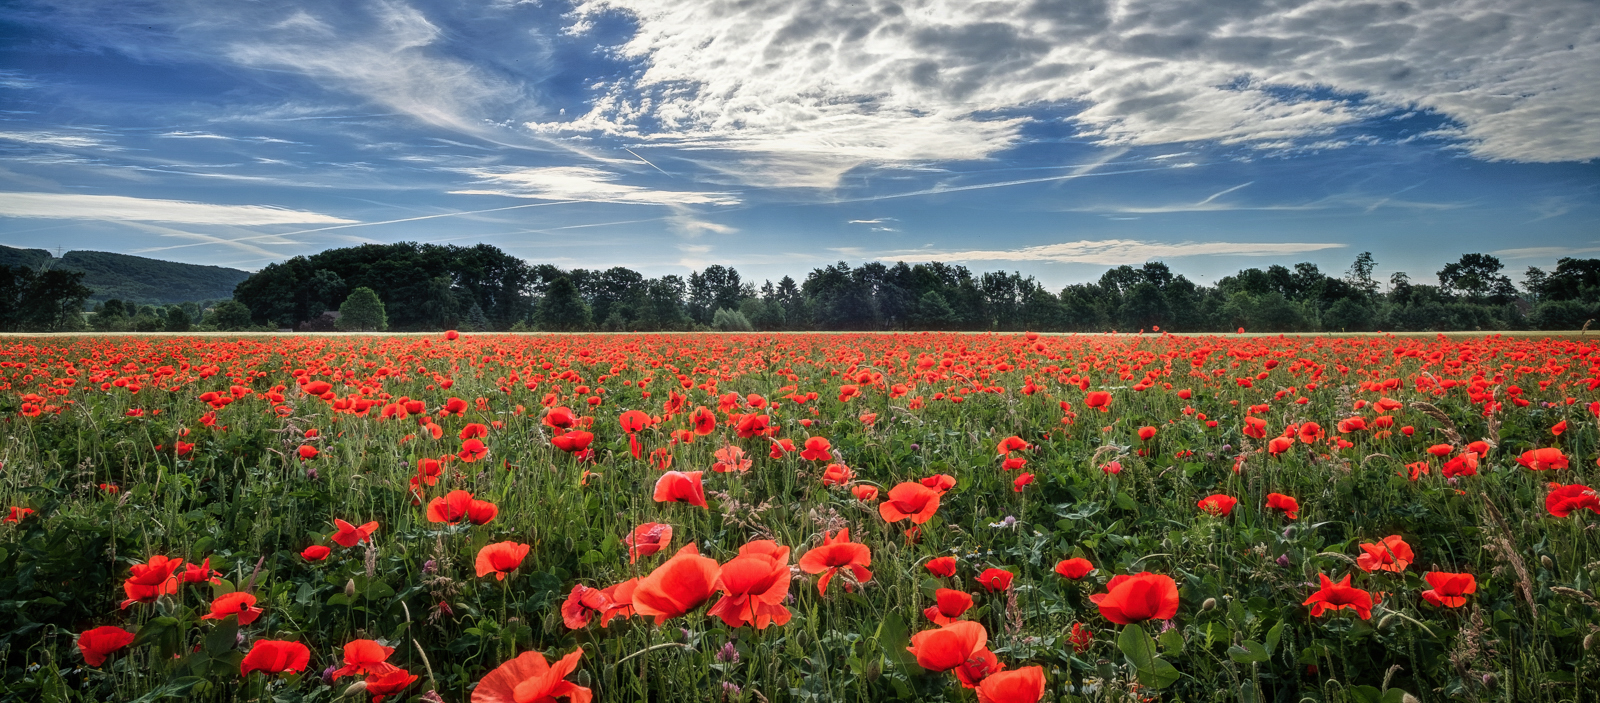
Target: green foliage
(34, 301)
(730, 321)
(362, 312)
(562, 310)
(229, 316)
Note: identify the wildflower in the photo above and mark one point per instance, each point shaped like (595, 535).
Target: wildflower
(949, 604)
(275, 657)
(1218, 504)
(995, 579)
(837, 552)
(1075, 568)
(681, 487)
(100, 642)
(678, 586)
(1289, 506)
(1543, 459)
(864, 493)
(1565, 499)
(1136, 598)
(151, 580)
(500, 559)
(530, 679)
(731, 458)
(236, 603)
(1025, 685)
(1449, 590)
(817, 449)
(1339, 596)
(1388, 554)
(348, 535)
(647, 539)
(1081, 637)
(364, 658)
(315, 552)
(949, 646)
(755, 585)
(909, 500)
(941, 566)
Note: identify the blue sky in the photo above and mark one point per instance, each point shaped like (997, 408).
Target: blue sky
(1053, 137)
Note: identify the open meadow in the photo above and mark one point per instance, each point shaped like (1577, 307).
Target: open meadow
(799, 517)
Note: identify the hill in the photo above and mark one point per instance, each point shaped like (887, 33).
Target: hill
(134, 278)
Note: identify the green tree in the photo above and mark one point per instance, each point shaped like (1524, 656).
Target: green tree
(230, 316)
(725, 320)
(562, 309)
(1478, 277)
(362, 311)
(34, 301)
(177, 319)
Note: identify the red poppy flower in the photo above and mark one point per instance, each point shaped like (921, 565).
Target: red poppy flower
(705, 421)
(949, 646)
(1449, 590)
(940, 482)
(529, 679)
(817, 449)
(1218, 504)
(1310, 432)
(910, 500)
(949, 604)
(275, 657)
(348, 535)
(460, 505)
(1339, 596)
(1565, 499)
(452, 335)
(1543, 459)
(1289, 506)
(836, 475)
(1020, 482)
(237, 603)
(1353, 424)
(1012, 444)
(678, 586)
(752, 426)
(1111, 468)
(1441, 450)
(864, 493)
(582, 604)
(1075, 568)
(364, 658)
(308, 452)
(559, 417)
(472, 450)
(681, 487)
(995, 580)
(573, 442)
(1388, 554)
(647, 539)
(977, 668)
(1013, 463)
(151, 580)
(1279, 445)
(1480, 447)
(1464, 465)
(199, 573)
(731, 458)
(1147, 433)
(389, 683)
(837, 552)
(755, 585)
(100, 642)
(1098, 399)
(474, 429)
(1255, 427)
(781, 447)
(634, 421)
(1025, 685)
(941, 566)
(315, 552)
(1137, 598)
(500, 559)
(1559, 428)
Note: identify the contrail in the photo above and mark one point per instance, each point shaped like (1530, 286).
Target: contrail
(981, 186)
(641, 158)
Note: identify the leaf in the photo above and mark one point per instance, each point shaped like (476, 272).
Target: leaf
(1137, 646)
(1251, 653)
(1126, 502)
(1160, 675)
(1366, 694)
(223, 638)
(894, 637)
(1247, 692)
(1273, 635)
(1171, 641)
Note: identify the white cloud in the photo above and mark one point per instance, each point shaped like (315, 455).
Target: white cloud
(582, 183)
(116, 207)
(800, 92)
(1543, 252)
(65, 141)
(1111, 252)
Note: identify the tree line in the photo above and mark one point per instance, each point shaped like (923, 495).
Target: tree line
(432, 287)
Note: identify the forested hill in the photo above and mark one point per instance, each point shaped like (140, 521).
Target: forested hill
(134, 279)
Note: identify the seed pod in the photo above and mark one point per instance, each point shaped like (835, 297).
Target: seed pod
(356, 688)
(1588, 641)
(1545, 559)
(1387, 621)
(874, 669)
(1210, 604)
(350, 588)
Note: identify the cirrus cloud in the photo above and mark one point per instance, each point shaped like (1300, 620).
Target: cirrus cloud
(76, 206)
(1111, 252)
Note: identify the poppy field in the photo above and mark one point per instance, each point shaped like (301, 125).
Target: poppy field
(1003, 518)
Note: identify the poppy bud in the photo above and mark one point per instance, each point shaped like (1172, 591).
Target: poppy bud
(1588, 641)
(1545, 559)
(1387, 621)
(1209, 604)
(356, 688)
(350, 588)
(874, 669)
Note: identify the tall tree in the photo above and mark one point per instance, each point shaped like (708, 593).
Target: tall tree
(362, 311)
(562, 309)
